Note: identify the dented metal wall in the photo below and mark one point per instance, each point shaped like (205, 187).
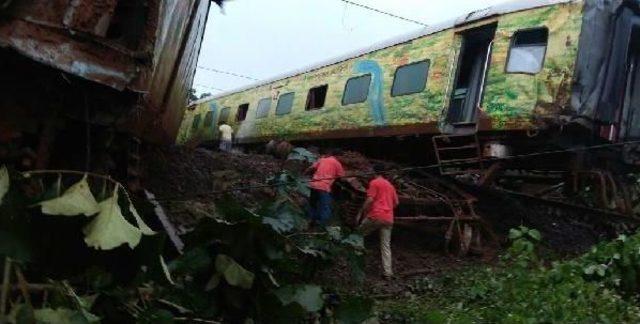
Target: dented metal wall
(143, 48)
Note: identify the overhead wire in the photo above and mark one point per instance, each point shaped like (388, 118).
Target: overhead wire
(383, 12)
(227, 73)
(398, 170)
(208, 87)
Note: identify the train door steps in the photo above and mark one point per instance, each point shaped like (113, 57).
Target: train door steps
(458, 154)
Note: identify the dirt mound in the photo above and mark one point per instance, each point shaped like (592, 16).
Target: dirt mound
(188, 181)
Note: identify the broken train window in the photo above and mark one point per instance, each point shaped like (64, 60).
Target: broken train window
(241, 115)
(264, 105)
(528, 49)
(316, 97)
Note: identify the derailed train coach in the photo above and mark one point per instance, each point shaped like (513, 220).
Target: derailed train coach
(516, 73)
(74, 75)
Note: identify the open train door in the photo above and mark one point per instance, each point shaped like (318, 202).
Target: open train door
(473, 65)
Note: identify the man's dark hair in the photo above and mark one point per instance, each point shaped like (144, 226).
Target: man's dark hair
(379, 168)
(334, 151)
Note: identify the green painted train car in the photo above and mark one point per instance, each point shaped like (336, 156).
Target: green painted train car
(524, 66)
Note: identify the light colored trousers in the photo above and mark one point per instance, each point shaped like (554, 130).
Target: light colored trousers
(369, 226)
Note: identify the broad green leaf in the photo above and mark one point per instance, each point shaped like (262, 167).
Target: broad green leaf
(535, 234)
(77, 200)
(141, 224)
(109, 229)
(307, 296)
(234, 273)
(514, 234)
(4, 182)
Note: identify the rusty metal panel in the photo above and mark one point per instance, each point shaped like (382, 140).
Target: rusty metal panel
(183, 81)
(95, 63)
(154, 67)
(91, 16)
(180, 30)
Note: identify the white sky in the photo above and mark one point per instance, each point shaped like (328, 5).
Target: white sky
(265, 38)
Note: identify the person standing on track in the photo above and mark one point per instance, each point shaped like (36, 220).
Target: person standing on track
(226, 137)
(326, 170)
(377, 215)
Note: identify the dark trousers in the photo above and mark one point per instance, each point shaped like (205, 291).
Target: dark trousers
(319, 208)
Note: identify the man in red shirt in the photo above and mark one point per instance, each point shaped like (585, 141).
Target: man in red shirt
(377, 214)
(326, 171)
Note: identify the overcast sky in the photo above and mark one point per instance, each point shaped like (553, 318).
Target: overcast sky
(265, 38)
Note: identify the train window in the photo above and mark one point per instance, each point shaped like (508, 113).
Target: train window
(528, 49)
(196, 121)
(285, 104)
(241, 115)
(356, 90)
(264, 105)
(410, 78)
(316, 97)
(208, 119)
(224, 116)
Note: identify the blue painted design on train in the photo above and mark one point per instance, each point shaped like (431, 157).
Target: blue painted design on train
(376, 89)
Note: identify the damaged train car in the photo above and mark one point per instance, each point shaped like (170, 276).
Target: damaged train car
(537, 98)
(74, 74)
(525, 66)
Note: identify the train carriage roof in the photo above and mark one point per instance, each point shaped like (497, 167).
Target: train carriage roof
(497, 10)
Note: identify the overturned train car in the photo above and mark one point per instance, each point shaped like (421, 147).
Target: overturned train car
(75, 74)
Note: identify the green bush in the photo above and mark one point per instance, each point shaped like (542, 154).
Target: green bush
(524, 290)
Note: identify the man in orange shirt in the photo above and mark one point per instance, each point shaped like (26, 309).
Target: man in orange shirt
(326, 171)
(377, 214)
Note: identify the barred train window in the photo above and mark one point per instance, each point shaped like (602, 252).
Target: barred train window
(224, 116)
(410, 78)
(264, 105)
(356, 90)
(528, 49)
(285, 103)
(208, 119)
(196, 121)
(316, 97)
(241, 115)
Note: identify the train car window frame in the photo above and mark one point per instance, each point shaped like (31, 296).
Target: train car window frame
(243, 111)
(224, 116)
(262, 111)
(196, 121)
(514, 45)
(208, 119)
(395, 93)
(365, 93)
(280, 111)
(312, 92)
